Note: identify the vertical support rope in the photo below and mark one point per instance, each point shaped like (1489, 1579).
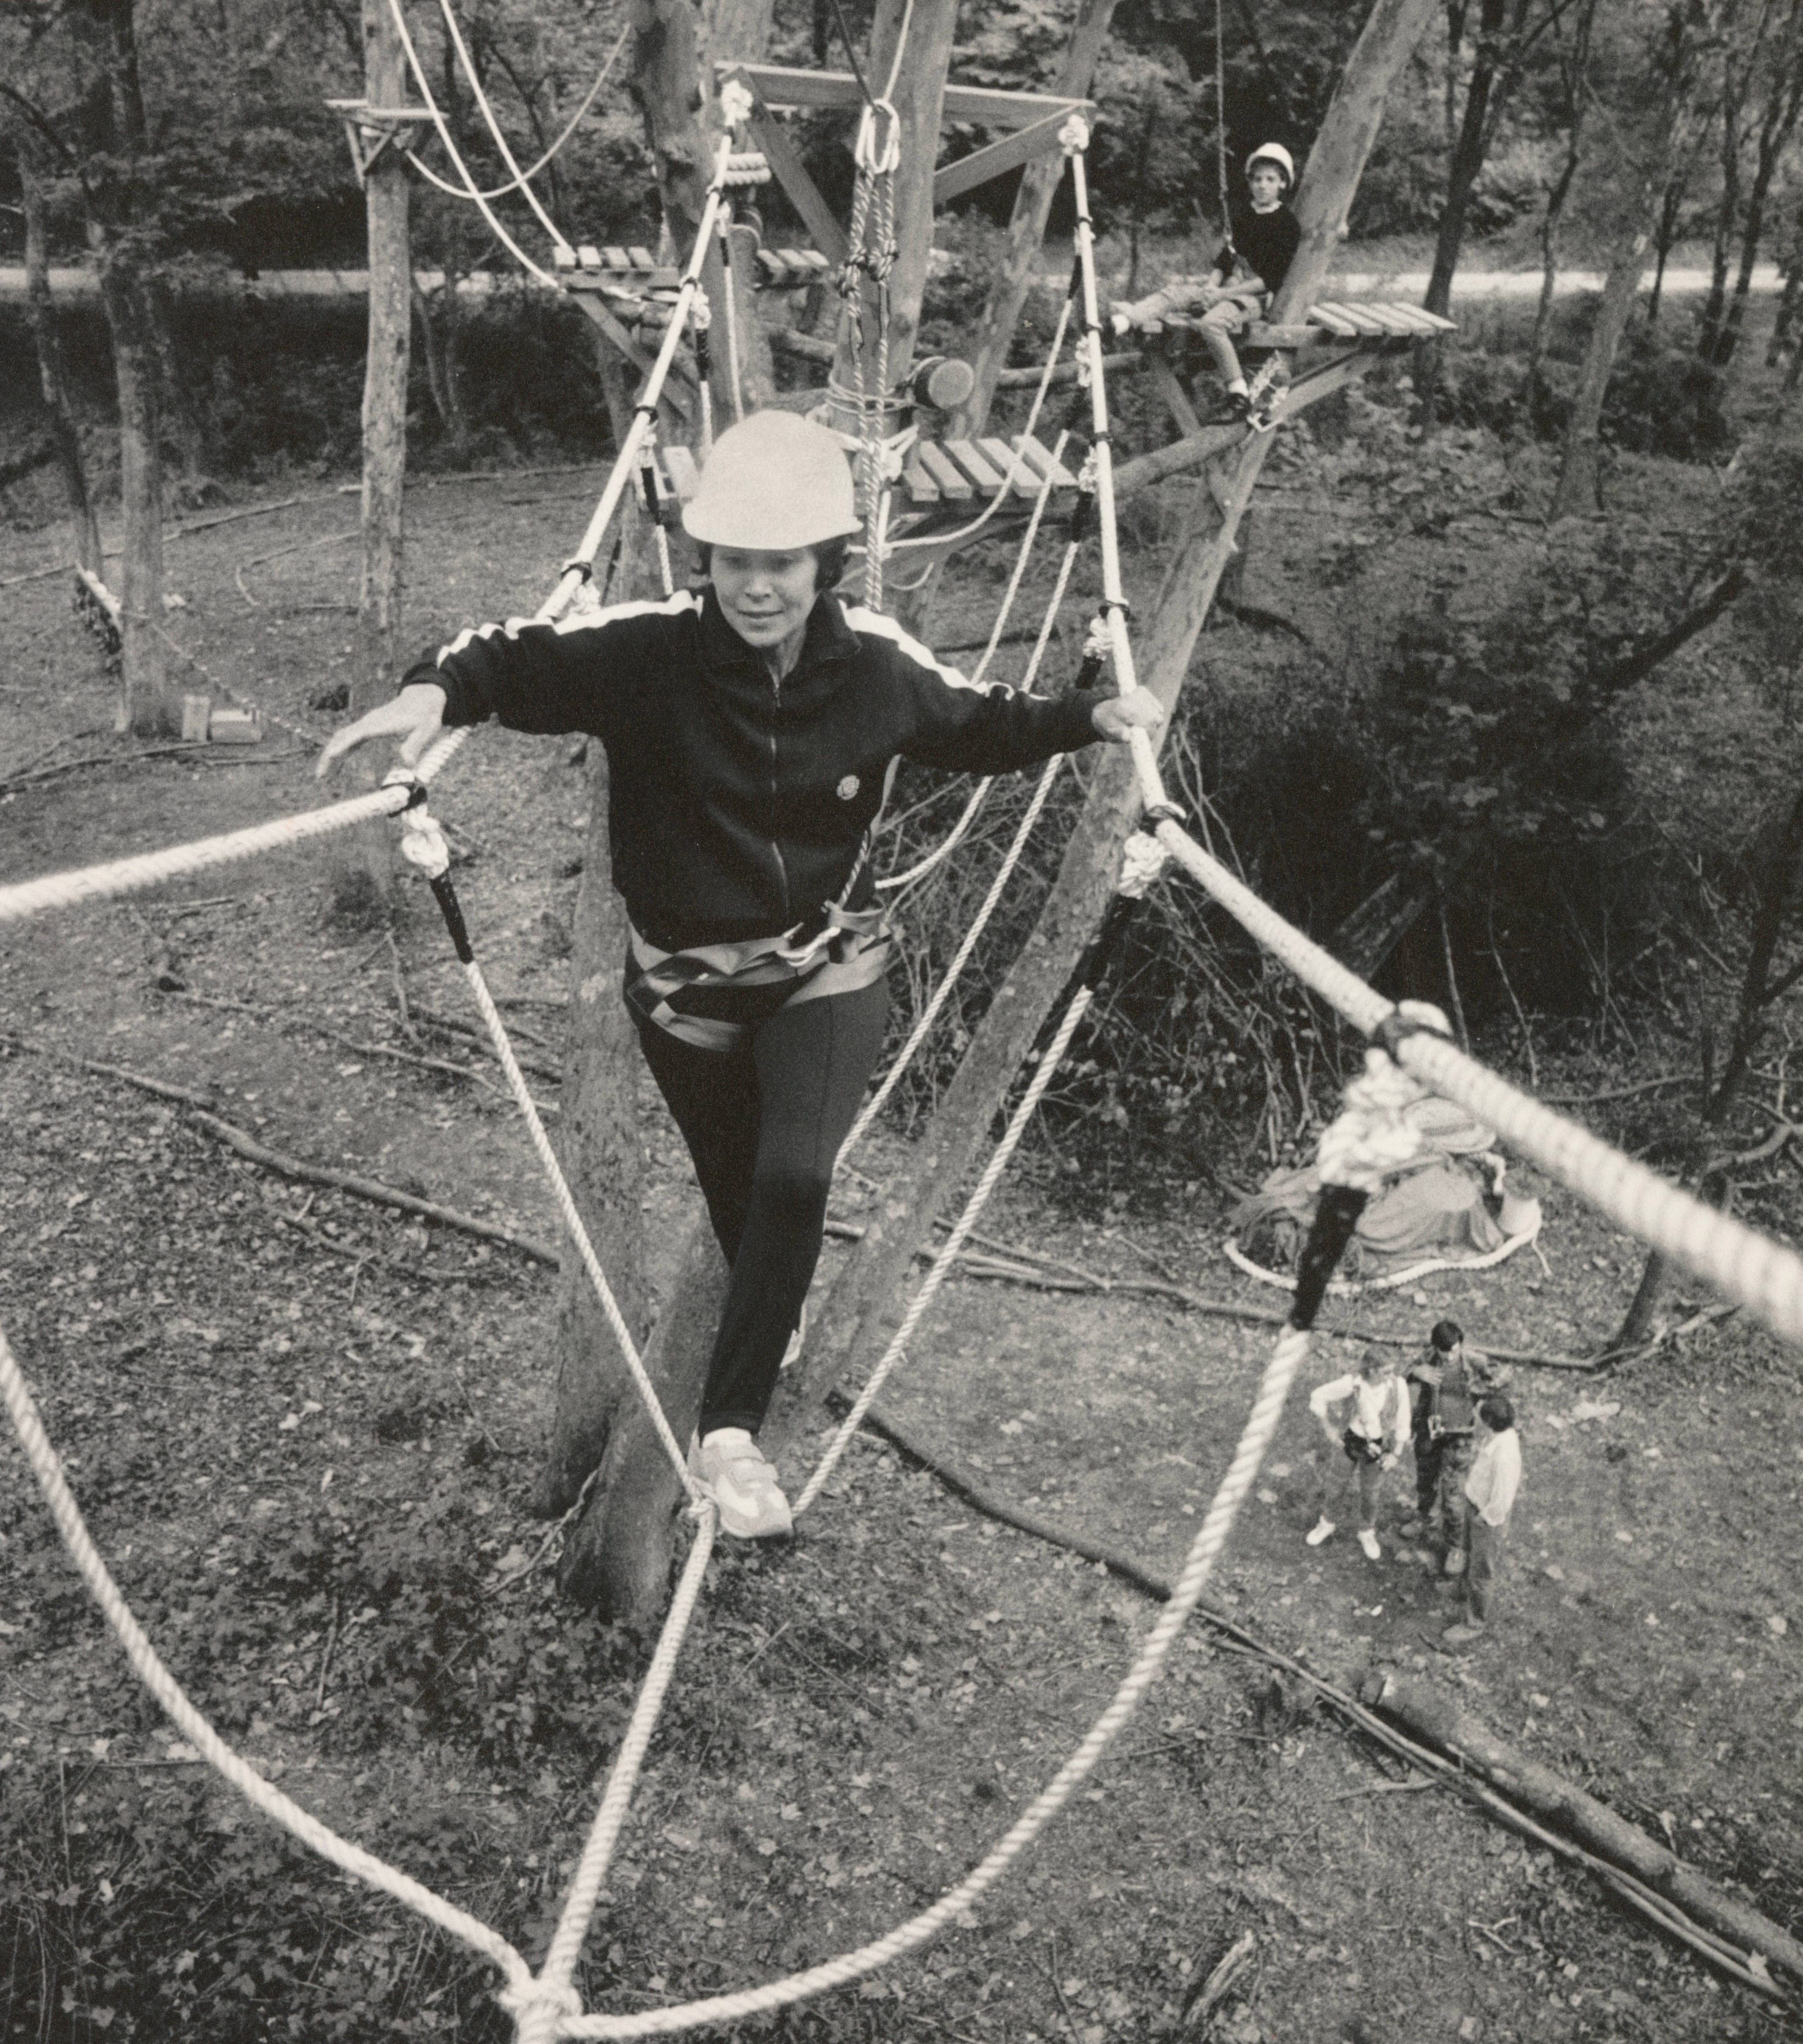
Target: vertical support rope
(540, 2007)
(732, 310)
(567, 1206)
(928, 1287)
(147, 1664)
(558, 239)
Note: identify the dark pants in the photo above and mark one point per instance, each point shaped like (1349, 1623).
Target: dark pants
(763, 1123)
(1427, 1470)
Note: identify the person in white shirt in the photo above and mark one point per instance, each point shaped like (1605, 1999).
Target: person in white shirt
(1377, 1425)
(1489, 1498)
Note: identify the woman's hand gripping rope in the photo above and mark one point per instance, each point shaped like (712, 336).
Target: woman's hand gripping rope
(415, 716)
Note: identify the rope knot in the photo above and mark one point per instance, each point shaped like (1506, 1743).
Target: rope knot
(528, 1996)
(1073, 136)
(1100, 643)
(1143, 861)
(1372, 1135)
(736, 102)
(422, 843)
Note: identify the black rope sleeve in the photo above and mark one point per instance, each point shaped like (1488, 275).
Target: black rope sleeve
(1337, 1214)
(446, 896)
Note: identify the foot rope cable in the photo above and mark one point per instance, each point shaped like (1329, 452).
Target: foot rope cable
(570, 128)
(1406, 1062)
(559, 240)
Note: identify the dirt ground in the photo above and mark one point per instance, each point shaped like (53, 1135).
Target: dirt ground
(309, 1467)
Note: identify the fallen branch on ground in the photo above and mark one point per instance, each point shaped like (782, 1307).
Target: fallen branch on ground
(1746, 1967)
(247, 1146)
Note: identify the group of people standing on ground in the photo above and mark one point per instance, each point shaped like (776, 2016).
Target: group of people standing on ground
(1450, 1404)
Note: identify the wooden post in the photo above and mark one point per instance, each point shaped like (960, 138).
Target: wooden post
(362, 860)
(853, 1327)
(919, 99)
(146, 703)
(1026, 228)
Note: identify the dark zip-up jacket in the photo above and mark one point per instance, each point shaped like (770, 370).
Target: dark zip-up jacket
(737, 803)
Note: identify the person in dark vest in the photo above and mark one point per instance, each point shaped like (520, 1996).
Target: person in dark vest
(751, 732)
(1249, 272)
(1444, 1388)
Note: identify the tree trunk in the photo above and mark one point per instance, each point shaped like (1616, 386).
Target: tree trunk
(46, 336)
(1788, 302)
(1728, 211)
(1026, 230)
(146, 704)
(1549, 275)
(362, 860)
(1666, 235)
(1578, 492)
(738, 29)
(1775, 130)
(1441, 1722)
(852, 1328)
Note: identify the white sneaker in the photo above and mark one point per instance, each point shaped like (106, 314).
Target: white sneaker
(1323, 1529)
(1368, 1540)
(742, 1484)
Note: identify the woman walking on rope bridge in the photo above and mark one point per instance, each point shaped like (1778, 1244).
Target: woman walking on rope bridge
(751, 733)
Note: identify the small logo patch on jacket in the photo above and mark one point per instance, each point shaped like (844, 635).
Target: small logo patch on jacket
(848, 787)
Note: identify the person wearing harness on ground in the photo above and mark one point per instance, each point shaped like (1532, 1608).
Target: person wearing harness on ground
(752, 731)
(1254, 260)
(1377, 1424)
(1446, 1384)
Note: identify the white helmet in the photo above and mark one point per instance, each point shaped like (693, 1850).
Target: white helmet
(1274, 152)
(773, 482)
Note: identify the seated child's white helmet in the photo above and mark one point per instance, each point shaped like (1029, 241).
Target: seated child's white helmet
(1274, 152)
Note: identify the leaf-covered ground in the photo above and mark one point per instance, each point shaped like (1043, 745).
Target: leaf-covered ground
(305, 1430)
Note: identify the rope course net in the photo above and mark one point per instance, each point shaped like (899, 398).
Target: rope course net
(1407, 1060)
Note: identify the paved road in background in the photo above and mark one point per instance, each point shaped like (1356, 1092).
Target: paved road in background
(1473, 285)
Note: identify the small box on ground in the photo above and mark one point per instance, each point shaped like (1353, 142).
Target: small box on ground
(235, 726)
(196, 711)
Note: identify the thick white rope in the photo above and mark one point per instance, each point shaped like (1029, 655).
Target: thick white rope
(942, 1265)
(1280, 1373)
(558, 239)
(457, 162)
(998, 886)
(570, 128)
(539, 2007)
(149, 1668)
(578, 1233)
(151, 868)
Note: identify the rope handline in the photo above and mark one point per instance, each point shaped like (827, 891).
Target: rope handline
(173, 1700)
(559, 239)
(570, 127)
(451, 150)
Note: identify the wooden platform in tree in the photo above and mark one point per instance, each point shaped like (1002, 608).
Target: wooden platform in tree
(966, 471)
(1367, 320)
(631, 272)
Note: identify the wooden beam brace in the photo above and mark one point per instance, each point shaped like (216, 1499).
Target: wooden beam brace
(789, 171)
(996, 157)
(1176, 398)
(778, 86)
(618, 337)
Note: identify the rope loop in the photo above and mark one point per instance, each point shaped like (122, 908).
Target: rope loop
(1163, 812)
(1413, 1018)
(1074, 136)
(736, 102)
(865, 153)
